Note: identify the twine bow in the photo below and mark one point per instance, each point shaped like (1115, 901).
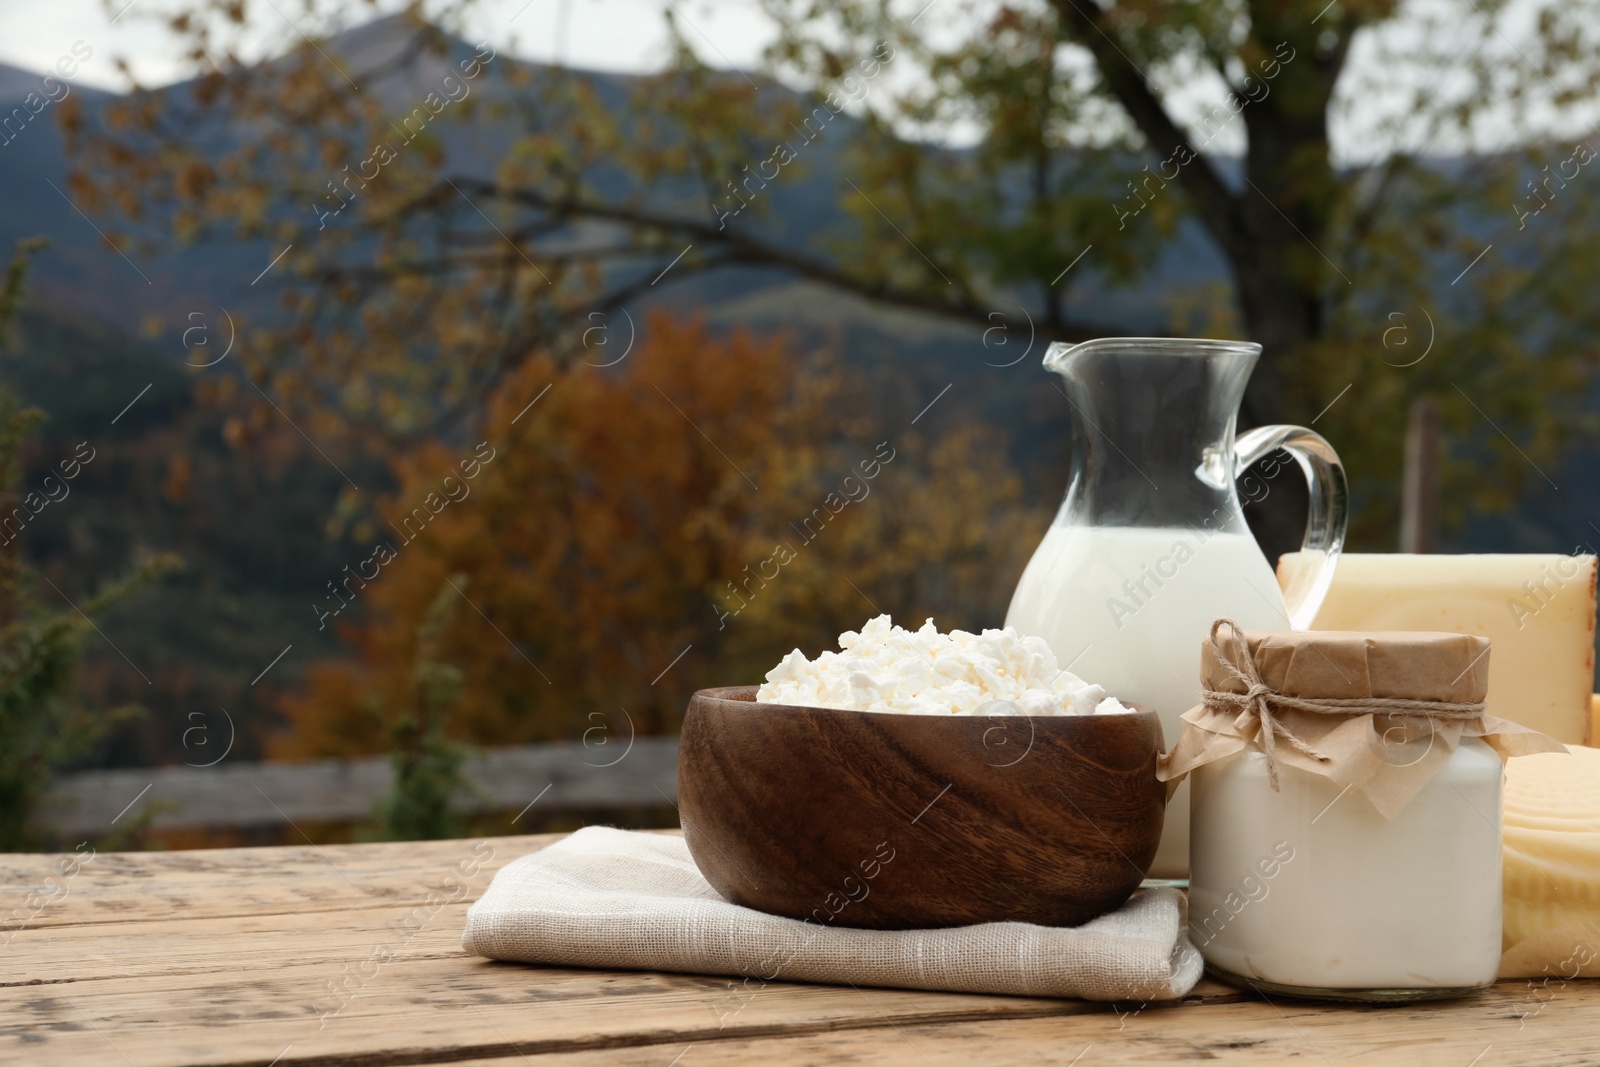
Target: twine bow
(1258, 700)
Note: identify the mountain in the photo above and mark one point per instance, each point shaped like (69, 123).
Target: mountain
(84, 272)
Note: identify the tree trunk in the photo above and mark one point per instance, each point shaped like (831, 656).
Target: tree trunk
(1291, 192)
(1273, 228)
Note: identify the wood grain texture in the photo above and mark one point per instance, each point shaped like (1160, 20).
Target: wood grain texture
(1486, 1031)
(915, 821)
(241, 956)
(210, 883)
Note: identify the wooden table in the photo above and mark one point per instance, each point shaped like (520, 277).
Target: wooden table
(350, 955)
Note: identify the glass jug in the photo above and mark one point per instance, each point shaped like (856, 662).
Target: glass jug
(1151, 545)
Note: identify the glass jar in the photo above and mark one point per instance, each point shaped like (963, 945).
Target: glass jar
(1311, 891)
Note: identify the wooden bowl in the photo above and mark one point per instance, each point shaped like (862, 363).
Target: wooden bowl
(909, 821)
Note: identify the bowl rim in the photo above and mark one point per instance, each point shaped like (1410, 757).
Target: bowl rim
(746, 694)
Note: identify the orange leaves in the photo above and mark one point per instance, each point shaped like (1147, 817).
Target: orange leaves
(194, 178)
(622, 505)
(180, 473)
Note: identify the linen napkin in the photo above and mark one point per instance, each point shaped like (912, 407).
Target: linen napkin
(608, 898)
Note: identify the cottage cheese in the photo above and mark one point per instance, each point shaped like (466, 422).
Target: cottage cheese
(889, 669)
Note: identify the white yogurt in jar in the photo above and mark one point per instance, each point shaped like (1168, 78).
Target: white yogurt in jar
(1313, 889)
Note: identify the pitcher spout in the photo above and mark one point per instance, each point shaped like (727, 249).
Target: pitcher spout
(1063, 355)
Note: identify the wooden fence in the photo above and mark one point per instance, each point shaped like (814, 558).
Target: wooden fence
(556, 777)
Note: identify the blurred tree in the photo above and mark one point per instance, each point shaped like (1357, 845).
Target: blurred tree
(611, 558)
(252, 527)
(43, 727)
(427, 764)
(1096, 127)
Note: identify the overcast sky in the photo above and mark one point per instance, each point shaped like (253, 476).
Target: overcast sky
(619, 35)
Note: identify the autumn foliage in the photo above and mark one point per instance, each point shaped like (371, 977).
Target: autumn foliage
(720, 495)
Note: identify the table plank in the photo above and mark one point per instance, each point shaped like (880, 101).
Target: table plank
(338, 956)
(116, 887)
(242, 1012)
(233, 955)
(1484, 1031)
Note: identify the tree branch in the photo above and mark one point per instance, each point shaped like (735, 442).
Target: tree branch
(747, 250)
(1218, 208)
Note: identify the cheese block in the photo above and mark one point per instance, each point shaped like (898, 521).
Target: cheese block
(1538, 612)
(1552, 865)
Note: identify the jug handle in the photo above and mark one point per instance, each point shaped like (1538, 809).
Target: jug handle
(1329, 511)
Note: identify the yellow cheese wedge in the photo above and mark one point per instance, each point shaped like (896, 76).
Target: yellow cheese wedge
(1552, 865)
(1537, 610)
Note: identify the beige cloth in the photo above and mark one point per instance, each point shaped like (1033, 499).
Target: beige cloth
(608, 898)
